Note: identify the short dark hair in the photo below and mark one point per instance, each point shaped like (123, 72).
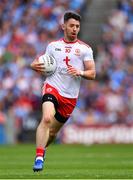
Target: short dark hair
(70, 14)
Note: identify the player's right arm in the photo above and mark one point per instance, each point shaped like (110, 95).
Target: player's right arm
(37, 66)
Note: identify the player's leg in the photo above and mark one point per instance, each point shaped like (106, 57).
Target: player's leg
(48, 127)
(46, 132)
(42, 134)
(55, 126)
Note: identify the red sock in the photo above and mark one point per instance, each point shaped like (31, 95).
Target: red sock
(40, 152)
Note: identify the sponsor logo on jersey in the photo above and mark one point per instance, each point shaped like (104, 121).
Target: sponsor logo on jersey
(63, 71)
(67, 61)
(57, 49)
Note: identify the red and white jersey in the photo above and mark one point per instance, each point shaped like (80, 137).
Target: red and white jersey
(67, 53)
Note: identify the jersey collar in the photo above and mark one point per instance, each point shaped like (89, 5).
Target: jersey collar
(69, 42)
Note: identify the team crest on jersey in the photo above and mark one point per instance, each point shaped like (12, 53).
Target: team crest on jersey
(77, 52)
(49, 89)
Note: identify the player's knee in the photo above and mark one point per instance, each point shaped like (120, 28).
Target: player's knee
(47, 119)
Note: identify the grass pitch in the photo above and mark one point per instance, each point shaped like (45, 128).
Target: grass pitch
(68, 162)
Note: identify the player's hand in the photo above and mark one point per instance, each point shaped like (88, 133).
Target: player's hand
(73, 71)
(37, 66)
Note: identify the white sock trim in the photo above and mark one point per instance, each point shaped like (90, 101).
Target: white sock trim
(39, 158)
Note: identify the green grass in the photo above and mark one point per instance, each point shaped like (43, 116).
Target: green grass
(68, 162)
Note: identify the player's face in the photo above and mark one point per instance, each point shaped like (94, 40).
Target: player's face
(71, 29)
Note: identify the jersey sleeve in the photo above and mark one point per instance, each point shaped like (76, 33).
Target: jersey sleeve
(88, 54)
(49, 49)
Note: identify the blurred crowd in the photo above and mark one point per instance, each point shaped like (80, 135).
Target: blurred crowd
(26, 27)
(109, 99)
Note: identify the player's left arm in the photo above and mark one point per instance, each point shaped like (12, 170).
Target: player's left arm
(89, 70)
(88, 73)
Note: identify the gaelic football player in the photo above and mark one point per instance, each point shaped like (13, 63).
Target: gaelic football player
(60, 91)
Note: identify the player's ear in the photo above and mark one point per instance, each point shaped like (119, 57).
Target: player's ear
(63, 26)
